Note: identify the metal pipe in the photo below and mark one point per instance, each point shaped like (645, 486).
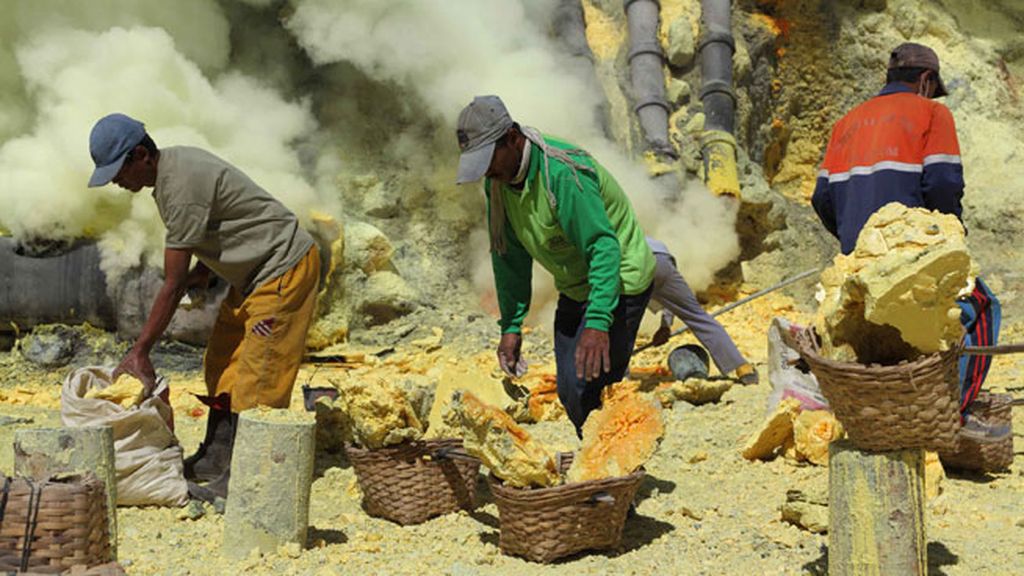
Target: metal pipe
(718, 144)
(68, 288)
(646, 67)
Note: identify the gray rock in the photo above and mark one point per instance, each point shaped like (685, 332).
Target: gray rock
(219, 504)
(383, 297)
(51, 345)
(681, 43)
(133, 295)
(807, 512)
(678, 92)
(194, 510)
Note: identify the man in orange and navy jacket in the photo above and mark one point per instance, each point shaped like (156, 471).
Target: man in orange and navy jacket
(901, 146)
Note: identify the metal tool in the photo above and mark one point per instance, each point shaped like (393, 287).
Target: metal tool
(742, 301)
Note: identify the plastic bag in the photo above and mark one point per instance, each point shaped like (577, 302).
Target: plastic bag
(787, 380)
(150, 470)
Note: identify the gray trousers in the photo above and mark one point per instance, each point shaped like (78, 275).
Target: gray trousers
(672, 293)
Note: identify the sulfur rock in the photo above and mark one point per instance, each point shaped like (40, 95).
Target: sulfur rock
(126, 391)
(376, 413)
(893, 298)
(506, 449)
(813, 431)
(774, 433)
(619, 437)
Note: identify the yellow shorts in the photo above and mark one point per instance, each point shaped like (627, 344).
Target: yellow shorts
(259, 340)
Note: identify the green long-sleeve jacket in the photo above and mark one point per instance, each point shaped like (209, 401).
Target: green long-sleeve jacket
(591, 242)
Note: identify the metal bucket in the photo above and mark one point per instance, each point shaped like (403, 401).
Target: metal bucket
(311, 393)
(689, 361)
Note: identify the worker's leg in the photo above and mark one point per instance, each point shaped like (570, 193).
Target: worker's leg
(580, 397)
(675, 295)
(980, 314)
(261, 370)
(224, 345)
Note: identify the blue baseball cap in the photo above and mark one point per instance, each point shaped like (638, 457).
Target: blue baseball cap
(110, 141)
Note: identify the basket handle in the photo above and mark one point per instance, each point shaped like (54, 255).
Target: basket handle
(452, 453)
(35, 497)
(601, 498)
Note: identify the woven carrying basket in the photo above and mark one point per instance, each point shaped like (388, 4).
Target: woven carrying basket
(544, 524)
(995, 409)
(49, 526)
(401, 485)
(909, 405)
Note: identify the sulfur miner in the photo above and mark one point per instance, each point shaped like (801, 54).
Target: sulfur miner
(901, 146)
(240, 233)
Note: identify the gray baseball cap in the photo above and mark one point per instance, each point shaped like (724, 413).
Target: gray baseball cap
(110, 141)
(912, 55)
(480, 125)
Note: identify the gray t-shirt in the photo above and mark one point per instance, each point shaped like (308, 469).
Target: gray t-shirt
(234, 227)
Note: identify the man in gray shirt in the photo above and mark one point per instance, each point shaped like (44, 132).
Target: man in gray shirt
(237, 230)
(674, 297)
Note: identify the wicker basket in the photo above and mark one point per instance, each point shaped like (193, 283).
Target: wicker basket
(909, 405)
(544, 524)
(63, 520)
(994, 409)
(401, 485)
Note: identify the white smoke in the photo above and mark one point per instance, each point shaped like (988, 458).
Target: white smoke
(74, 75)
(446, 52)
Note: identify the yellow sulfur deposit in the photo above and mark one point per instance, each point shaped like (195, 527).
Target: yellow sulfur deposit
(934, 474)
(375, 413)
(506, 449)
(813, 431)
(126, 391)
(893, 298)
(776, 430)
(619, 437)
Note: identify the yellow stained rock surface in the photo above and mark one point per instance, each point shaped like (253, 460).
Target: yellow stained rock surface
(502, 445)
(893, 298)
(776, 430)
(934, 474)
(543, 403)
(126, 391)
(375, 413)
(619, 437)
(813, 431)
(696, 391)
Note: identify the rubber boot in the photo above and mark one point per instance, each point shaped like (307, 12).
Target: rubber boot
(217, 486)
(214, 453)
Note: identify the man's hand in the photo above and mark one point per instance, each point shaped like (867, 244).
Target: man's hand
(661, 336)
(509, 357)
(137, 364)
(592, 354)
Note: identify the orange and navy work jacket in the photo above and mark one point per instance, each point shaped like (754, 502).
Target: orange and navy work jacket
(896, 147)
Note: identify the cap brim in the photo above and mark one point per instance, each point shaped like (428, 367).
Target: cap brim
(102, 175)
(473, 164)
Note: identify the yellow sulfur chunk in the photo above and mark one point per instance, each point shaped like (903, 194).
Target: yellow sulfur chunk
(376, 413)
(619, 437)
(126, 391)
(775, 431)
(813, 431)
(893, 298)
(506, 449)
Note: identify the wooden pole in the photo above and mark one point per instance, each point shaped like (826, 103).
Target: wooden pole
(43, 452)
(271, 475)
(876, 512)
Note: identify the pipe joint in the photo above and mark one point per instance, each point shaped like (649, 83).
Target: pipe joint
(717, 87)
(640, 48)
(628, 3)
(652, 101)
(718, 149)
(715, 35)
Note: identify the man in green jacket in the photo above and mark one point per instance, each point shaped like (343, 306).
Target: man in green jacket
(551, 202)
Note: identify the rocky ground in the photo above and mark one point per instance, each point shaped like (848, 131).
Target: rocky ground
(703, 508)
